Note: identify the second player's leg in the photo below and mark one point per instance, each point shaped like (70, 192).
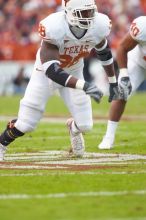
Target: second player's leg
(137, 76)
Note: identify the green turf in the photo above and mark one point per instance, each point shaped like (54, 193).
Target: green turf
(102, 207)
(135, 106)
(52, 136)
(76, 208)
(130, 139)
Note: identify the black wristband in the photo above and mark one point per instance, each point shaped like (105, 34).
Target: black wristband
(114, 84)
(104, 54)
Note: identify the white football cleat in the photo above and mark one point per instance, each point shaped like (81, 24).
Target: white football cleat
(106, 143)
(77, 141)
(2, 152)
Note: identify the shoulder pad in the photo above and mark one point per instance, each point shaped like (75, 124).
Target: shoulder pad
(138, 29)
(51, 26)
(103, 25)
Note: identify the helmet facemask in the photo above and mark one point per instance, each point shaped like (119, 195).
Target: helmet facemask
(81, 16)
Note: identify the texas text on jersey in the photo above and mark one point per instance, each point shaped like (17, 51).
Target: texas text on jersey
(73, 50)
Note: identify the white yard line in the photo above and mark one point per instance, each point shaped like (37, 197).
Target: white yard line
(133, 218)
(53, 119)
(51, 160)
(44, 119)
(52, 173)
(130, 218)
(37, 153)
(61, 119)
(87, 154)
(58, 166)
(32, 167)
(71, 194)
(53, 137)
(62, 160)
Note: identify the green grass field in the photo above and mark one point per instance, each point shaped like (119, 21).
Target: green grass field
(39, 180)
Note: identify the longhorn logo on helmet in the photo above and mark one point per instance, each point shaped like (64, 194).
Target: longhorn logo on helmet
(66, 1)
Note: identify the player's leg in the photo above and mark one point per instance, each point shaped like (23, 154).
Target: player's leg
(137, 76)
(30, 111)
(9, 135)
(116, 110)
(79, 105)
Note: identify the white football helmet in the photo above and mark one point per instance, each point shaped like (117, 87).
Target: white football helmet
(80, 13)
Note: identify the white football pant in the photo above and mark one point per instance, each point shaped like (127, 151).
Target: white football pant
(39, 89)
(137, 74)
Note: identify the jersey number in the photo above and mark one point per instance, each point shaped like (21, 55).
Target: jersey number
(134, 29)
(68, 61)
(42, 31)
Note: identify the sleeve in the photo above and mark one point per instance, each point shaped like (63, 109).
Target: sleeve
(104, 26)
(46, 31)
(137, 29)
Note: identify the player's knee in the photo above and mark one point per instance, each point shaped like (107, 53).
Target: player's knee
(85, 128)
(26, 126)
(28, 118)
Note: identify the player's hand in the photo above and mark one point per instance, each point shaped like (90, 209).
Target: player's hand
(125, 87)
(113, 92)
(92, 90)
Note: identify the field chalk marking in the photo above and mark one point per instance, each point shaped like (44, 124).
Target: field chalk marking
(52, 160)
(71, 173)
(71, 194)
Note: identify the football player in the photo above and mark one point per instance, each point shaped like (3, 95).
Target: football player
(67, 37)
(131, 58)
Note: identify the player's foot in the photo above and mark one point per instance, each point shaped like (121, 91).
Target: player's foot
(77, 141)
(106, 143)
(2, 152)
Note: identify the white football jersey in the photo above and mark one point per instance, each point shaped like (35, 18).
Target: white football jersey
(138, 33)
(55, 30)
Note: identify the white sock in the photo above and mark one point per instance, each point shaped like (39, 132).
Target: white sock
(111, 128)
(74, 128)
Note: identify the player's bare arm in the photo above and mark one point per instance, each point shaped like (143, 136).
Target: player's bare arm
(104, 54)
(132, 70)
(48, 52)
(126, 45)
(49, 55)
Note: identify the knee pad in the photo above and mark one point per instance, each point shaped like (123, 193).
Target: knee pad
(85, 128)
(25, 127)
(28, 118)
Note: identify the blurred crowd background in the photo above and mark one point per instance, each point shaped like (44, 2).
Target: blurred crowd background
(19, 21)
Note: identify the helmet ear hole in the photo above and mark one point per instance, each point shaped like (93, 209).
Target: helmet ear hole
(80, 13)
